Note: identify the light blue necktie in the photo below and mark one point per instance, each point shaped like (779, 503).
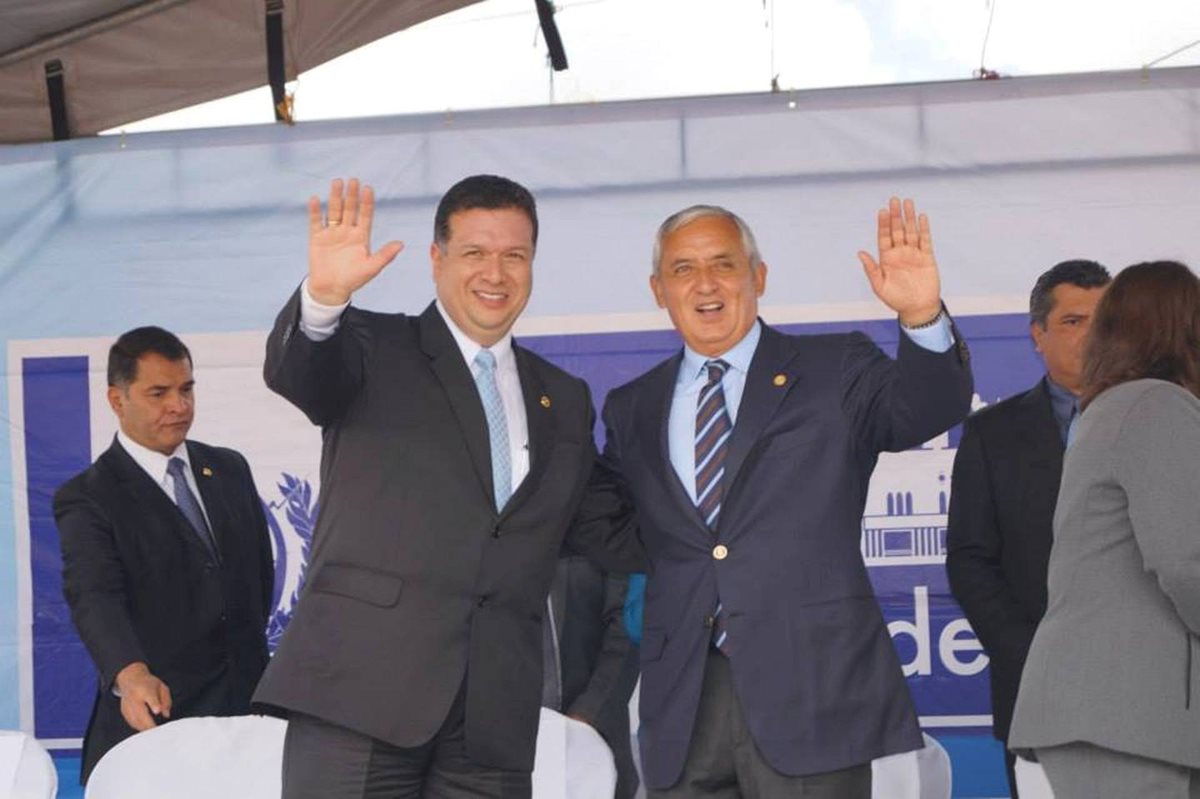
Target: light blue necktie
(1072, 423)
(493, 408)
(189, 505)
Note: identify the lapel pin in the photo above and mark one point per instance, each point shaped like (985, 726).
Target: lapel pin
(545, 401)
(780, 379)
(207, 472)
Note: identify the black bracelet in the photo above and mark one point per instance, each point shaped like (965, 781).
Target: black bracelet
(941, 312)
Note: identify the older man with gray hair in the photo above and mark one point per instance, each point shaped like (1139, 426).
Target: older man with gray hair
(767, 670)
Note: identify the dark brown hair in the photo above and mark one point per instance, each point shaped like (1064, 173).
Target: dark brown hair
(490, 192)
(1146, 325)
(124, 354)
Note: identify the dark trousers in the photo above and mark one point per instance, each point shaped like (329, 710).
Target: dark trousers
(723, 760)
(325, 761)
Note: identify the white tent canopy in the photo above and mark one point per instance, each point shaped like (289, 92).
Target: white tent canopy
(116, 61)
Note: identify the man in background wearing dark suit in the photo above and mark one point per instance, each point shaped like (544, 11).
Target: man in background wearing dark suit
(1005, 486)
(166, 556)
(767, 670)
(591, 664)
(455, 463)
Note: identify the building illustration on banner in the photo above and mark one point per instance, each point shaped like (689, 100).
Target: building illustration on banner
(905, 520)
(907, 505)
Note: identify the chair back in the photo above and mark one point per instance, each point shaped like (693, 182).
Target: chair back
(26, 768)
(572, 761)
(922, 774)
(196, 758)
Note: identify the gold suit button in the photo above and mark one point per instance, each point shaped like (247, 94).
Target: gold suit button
(720, 552)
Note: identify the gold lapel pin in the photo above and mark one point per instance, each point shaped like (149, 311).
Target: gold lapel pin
(545, 401)
(207, 472)
(780, 379)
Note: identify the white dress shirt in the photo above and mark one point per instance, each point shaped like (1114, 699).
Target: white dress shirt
(318, 322)
(155, 464)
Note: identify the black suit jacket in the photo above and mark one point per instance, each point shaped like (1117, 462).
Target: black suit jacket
(1002, 497)
(142, 587)
(416, 580)
(597, 662)
(814, 669)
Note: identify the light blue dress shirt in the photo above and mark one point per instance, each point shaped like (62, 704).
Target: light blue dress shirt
(681, 424)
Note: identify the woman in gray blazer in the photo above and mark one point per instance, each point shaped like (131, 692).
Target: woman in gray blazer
(1110, 694)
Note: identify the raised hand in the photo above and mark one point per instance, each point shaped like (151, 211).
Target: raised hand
(340, 260)
(905, 277)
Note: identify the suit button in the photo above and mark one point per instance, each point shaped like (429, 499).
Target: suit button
(496, 531)
(709, 621)
(482, 601)
(720, 552)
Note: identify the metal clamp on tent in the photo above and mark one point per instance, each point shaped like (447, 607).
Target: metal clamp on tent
(276, 71)
(56, 97)
(558, 56)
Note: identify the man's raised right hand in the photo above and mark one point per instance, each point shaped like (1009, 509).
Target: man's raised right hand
(340, 260)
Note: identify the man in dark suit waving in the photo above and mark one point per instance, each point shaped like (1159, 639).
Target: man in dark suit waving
(454, 464)
(767, 670)
(1005, 487)
(167, 562)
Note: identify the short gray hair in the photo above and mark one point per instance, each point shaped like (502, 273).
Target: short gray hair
(690, 214)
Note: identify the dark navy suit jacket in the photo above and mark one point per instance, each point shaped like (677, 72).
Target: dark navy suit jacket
(142, 587)
(1002, 498)
(815, 672)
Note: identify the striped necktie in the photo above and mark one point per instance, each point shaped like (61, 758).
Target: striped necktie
(713, 428)
(712, 438)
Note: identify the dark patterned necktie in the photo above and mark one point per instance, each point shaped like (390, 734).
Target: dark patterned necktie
(712, 437)
(713, 428)
(189, 505)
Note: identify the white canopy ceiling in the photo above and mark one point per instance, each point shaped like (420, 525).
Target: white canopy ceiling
(117, 61)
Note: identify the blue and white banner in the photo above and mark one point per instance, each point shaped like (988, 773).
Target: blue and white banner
(58, 400)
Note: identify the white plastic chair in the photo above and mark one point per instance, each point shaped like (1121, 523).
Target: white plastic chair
(26, 768)
(1031, 780)
(201, 758)
(922, 774)
(572, 761)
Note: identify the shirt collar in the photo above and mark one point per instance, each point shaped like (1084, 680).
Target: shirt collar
(502, 349)
(1062, 402)
(153, 463)
(738, 356)
(1058, 394)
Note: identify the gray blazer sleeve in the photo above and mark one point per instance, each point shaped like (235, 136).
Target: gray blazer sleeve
(1158, 466)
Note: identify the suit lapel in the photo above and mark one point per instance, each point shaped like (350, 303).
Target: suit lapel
(1040, 433)
(540, 421)
(141, 489)
(446, 361)
(653, 423)
(760, 399)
